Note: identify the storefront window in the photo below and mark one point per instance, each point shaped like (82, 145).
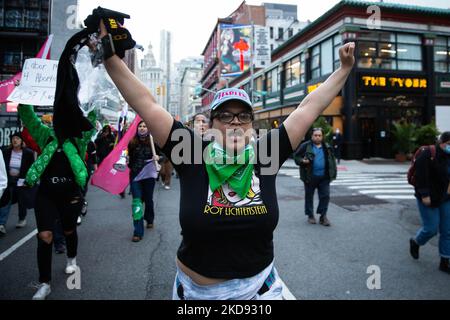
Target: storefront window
(442, 54)
(272, 81)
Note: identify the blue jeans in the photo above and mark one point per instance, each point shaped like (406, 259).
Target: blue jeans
(144, 190)
(138, 228)
(4, 211)
(322, 184)
(435, 220)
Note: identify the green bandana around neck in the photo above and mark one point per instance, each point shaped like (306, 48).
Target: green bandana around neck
(237, 170)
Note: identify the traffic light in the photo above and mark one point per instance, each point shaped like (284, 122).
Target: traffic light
(158, 90)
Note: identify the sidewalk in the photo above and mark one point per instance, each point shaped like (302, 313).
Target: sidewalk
(372, 165)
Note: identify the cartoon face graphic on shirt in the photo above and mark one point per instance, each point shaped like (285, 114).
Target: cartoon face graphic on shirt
(227, 197)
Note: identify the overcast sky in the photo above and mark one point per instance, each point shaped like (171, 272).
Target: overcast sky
(192, 21)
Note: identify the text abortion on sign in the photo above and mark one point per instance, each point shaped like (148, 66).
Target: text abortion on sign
(38, 83)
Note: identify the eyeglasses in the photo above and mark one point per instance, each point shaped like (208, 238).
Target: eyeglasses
(228, 117)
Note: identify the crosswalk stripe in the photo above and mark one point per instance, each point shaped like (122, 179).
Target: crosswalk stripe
(368, 183)
(387, 197)
(400, 186)
(384, 191)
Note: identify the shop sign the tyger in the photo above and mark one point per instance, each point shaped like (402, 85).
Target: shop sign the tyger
(377, 82)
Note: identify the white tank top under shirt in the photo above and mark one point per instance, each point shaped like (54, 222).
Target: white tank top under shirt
(15, 163)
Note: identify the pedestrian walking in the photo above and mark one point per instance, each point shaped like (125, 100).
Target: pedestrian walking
(228, 210)
(317, 169)
(62, 174)
(432, 191)
(142, 161)
(104, 143)
(18, 159)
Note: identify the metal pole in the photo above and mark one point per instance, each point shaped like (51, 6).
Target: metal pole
(251, 52)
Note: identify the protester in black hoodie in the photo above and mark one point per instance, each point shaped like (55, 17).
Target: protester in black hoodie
(432, 191)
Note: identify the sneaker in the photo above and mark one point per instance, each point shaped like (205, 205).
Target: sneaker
(84, 208)
(60, 249)
(445, 265)
(136, 239)
(167, 187)
(2, 230)
(324, 221)
(311, 220)
(21, 223)
(149, 225)
(71, 266)
(79, 220)
(414, 248)
(43, 291)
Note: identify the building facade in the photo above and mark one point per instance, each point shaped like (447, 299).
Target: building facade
(24, 27)
(190, 104)
(280, 20)
(401, 72)
(152, 75)
(165, 61)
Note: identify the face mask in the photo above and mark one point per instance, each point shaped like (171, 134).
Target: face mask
(447, 149)
(143, 135)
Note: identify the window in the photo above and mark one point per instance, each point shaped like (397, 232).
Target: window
(271, 32)
(1, 13)
(302, 68)
(280, 33)
(442, 54)
(13, 18)
(292, 69)
(315, 62)
(272, 81)
(290, 32)
(259, 83)
(326, 57)
(32, 19)
(336, 46)
(390, 51)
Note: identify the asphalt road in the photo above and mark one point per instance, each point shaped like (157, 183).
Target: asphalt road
(315, 262)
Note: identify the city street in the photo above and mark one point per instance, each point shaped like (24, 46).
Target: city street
(372, 212)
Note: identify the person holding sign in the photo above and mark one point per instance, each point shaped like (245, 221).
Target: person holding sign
(228, 212)
(142, 161)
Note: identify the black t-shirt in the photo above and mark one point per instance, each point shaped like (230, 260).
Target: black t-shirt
(225, 236)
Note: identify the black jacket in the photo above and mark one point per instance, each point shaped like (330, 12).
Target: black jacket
(432, 176)
(27, 161)
(305, 151)
(138, 157)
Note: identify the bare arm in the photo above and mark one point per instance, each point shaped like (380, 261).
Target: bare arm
(138, 96)
(317, 101)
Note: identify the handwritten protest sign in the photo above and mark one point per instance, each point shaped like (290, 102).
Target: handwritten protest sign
(38, 83)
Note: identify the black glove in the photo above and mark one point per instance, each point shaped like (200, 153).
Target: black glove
(118, 39)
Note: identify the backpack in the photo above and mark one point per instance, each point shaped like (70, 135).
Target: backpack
(412, 168)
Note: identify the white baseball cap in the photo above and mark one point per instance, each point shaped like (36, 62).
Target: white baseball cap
(228, 94)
